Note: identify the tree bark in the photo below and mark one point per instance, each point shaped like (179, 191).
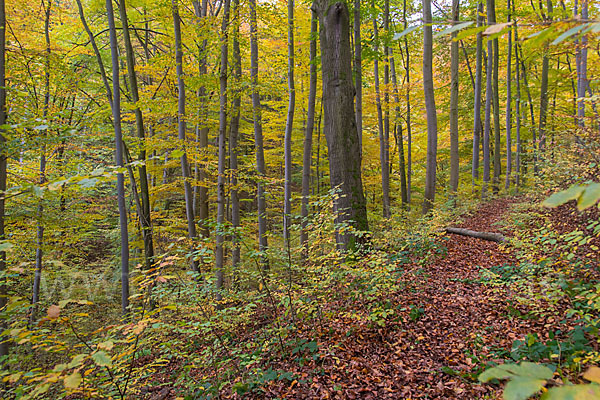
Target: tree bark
(477, 89)
(496, 103)
(116, 112)
(508, 104)
(308, 135)
(287, 203)
(3, 174)
(398, 133)
(181, 130)
(492, 237)
(258, 138)
(339, 119)
(358, 71)
(233, 139)
(454, 157)
(432, 135)
(582, 81)
(488, 106)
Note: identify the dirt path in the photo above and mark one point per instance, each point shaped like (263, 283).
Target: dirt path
(433, 353)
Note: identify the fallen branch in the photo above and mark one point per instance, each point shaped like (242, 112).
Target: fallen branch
(493, 237)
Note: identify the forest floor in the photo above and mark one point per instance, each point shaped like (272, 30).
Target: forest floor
(447, 323)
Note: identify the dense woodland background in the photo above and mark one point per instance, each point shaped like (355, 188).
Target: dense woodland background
(196, 193)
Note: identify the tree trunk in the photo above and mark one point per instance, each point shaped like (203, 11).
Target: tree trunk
(308, 136)
(518, 112)
(385, 169)
(358, 71)
(488, 106)
(145, 218)
(116, 112)
(496, 103)
(220, 236)
(258, 138)
(582, 81)
(287, 203)
(430, 173)
(544, 88)
(3, 175)
(181, 129)
(508, 105)
(454, 157)
(233, 139)
(492, 237)
(398, 133)
(477, 89)
(339, 119)
(408, 122)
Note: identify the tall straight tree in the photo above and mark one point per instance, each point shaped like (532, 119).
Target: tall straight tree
(220, 236)
(508, 103)
(517, 111)
(3, 165)
(339, 119)
(477, 90)
(234, 128)
(181, 129)
(39, 252)
(385, 169)
(258, 137)
(454, 157)
(398, 133)
(581, 60)
(495, 99)
(488, 104)
(116, 112)
(289, 124)
(358, 70)
(431, 113)
(308, 135)
(544, 86)
(145, 218)
(408, 122)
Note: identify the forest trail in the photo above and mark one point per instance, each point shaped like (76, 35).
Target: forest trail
(447, 325)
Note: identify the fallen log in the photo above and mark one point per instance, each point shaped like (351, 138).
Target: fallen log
(493, 237)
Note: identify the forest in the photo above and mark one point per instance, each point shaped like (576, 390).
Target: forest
(325, 199)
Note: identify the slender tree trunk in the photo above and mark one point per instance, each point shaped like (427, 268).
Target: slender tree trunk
(358, 71)
(508, 104)
(398, 133)
(544, 88)
(432, 135)
(386, 103)
(201, 190)
(145, 217)
(385, 174)
(116, 112)
(495, 102)
(339, 119)
(582, 81)
(181, 128)
(234, 137)
(518, 112)
(220, 236)
(408, 122)
(258, 137)
(39, 252)
(308, 136)
(454, 157)
(530, 102)
(287, 203)
(3, 175)
(477, 90)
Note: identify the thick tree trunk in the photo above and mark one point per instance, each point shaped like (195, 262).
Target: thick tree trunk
(385, 169)
(181, 130)
(432, 135)
(454, 157)
(116, 112)
(477, 90)
(144, 209)
(308, 135)
(339, 119)
(258, 137)
(287, 203)
(358, 71)
(220, 236)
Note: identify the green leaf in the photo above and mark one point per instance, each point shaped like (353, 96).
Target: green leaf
(521, 388)
(72, 381)
(494, 373)
(77, 361)
(405, 32)
(568, 33)
(5, 245)
(469, 32)
(589, 197)
(563, 196)
(573, 392)
(102, 359)
(453, 28)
